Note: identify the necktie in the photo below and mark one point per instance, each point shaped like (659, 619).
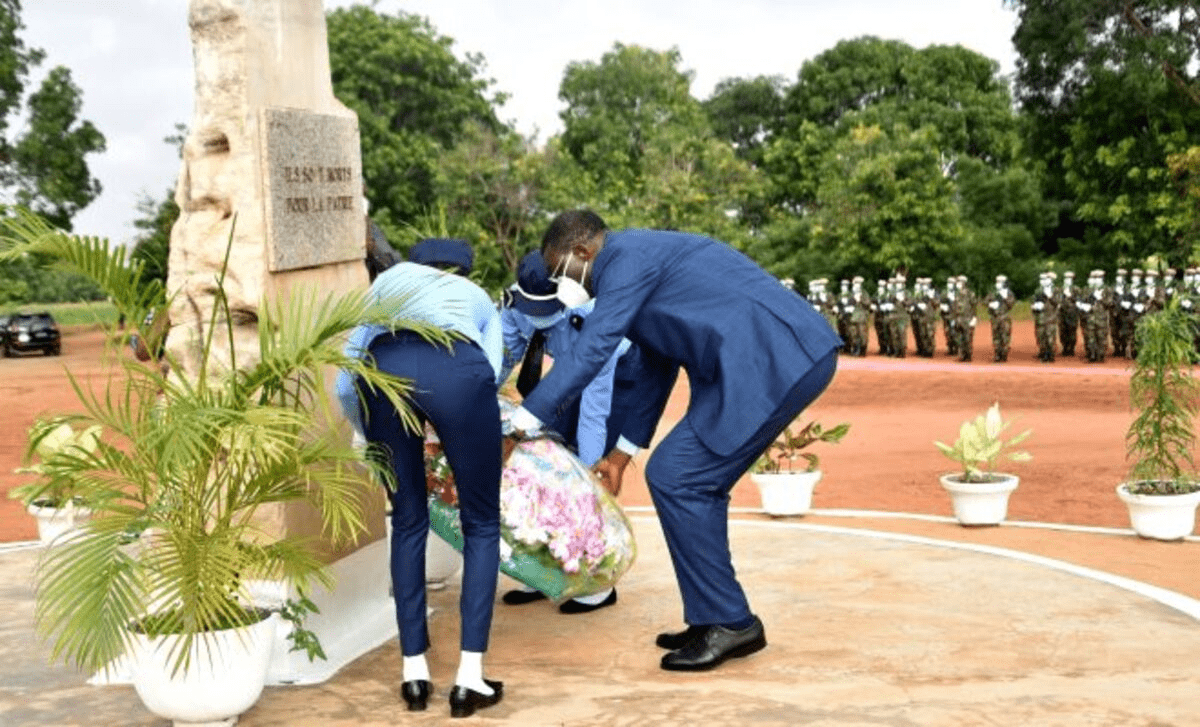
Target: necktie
(531, 364)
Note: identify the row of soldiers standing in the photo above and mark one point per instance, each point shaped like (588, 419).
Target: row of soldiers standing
(894, 308)
(1062, 314)
(1104, 313)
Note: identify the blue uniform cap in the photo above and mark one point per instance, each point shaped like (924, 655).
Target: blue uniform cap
(534, 292)
(438, 253)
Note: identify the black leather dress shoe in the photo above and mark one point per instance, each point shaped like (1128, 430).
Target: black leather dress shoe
(673, 640)
(715, 646)
(574, 606)
(519, 598)
(464, 700)
(416, 694)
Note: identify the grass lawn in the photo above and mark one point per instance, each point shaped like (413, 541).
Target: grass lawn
(69, 314)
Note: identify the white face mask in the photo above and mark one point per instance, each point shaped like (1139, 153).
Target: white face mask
(571, 292)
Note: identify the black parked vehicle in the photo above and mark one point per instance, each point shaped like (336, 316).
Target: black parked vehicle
(32, 332)
(4, 330)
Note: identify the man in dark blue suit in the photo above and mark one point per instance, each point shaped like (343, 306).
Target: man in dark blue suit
(755, 354)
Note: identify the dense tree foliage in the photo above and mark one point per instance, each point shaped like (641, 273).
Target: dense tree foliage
(414, 98)
(1110, 88)
(876, 157)
(44, 145)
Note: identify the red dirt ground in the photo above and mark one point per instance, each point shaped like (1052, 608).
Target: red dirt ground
(1078, 412)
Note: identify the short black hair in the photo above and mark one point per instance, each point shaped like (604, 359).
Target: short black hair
(571, 228)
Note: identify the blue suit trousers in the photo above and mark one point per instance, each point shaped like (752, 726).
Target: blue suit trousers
(690, 486)
(454, 390)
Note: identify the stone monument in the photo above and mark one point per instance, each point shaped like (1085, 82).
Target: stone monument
(272, 159)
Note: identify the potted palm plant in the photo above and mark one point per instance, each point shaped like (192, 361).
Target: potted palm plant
(181, 468)
(1162, 491)
(56, 504)
(978, 493)
(786, 490)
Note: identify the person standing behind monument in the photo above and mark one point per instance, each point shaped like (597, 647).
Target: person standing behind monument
(755, 357)
(1068, 314)
(1045, 318)
(999, 304)
(454, 390)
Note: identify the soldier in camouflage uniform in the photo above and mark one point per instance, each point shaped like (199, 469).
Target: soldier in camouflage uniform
(898, 317)
(965, 319)
(999, 305)
(880, 298)
(925, 309)
(1188, 293)
(1045, 318)
(916, 323)
(1169, 285)
(1136, 310)
(856, 308)
(1094, 307)
(841, 306)
(1118, 314)
(944, 308)
(1068, 314)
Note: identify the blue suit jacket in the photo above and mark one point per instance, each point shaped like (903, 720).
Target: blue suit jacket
(687, 300)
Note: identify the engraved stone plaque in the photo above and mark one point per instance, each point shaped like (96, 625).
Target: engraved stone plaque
(313, 176)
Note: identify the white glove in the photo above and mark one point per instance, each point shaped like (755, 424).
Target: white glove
(974, 320)
(524, 421)
(1126, 304)
(849, 309)
(1085, 307)
(945, 308)
(1186, 304)
(1139, 307)
(921, 306)
(1037, 306)
(994, 304)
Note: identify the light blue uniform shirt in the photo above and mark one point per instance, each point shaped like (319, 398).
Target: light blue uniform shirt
(596, 401)
(448, 301)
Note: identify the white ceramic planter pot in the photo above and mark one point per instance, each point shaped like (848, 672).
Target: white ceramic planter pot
(56, 524)
(1160, 517)
(224, 678)
(980, 503)
(786, 493)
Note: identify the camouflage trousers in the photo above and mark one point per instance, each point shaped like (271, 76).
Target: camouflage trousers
(964, 340)
(1095, 336)
(881, 335)
(951, 336)
(898, 336)
(1046, 333)
(1001, 337)
(1068, 326)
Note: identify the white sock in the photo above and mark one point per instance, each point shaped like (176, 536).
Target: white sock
(470, 673)
(415, 668)
(593, 599)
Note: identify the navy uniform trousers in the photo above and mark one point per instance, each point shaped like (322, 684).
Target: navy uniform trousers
(690, 486)
(454, 390)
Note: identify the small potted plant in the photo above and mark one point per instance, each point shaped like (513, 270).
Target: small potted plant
(1162, 491)
(181, 476)
(785, 489)
(54, 499)
(980, 494)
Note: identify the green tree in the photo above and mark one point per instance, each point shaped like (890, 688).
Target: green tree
(152, 245)
(746, 112)
(647, 147)
(1110, 87)
(414, 98)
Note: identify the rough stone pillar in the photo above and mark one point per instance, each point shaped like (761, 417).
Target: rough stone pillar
(271, 148)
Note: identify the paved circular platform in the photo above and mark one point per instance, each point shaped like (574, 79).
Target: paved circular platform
(863, 631)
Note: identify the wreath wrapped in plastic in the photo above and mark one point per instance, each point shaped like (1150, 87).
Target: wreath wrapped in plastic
(561, 531)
